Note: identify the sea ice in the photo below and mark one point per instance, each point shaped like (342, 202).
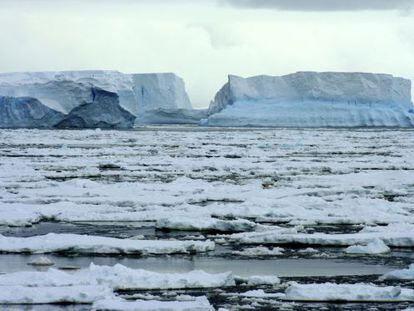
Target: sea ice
(48, 295)
(376, 246)
(403, 274)
(115, 304)
(347, 292)
(118, 277)
(53, 242)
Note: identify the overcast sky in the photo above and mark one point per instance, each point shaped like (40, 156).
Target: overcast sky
(204, 41)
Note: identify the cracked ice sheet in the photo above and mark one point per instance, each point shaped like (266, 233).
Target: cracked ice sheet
(329, 176)
(87, 244)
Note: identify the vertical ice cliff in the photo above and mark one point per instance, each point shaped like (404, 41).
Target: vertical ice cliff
(311, 99)
(148, 97)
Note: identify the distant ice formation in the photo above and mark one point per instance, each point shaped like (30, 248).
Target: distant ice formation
(88, 99)
(110, 99)
(311, 99)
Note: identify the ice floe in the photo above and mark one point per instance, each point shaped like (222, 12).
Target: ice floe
(115, 304)
(41, 261)
(376, 246)
(403, 274)
(205, 224)
(118, 277)
(401, 235)
(260, 251)
(52, 243)
(52, 295)
(347, 292)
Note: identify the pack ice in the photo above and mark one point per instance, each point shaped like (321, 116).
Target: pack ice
(90, 99)
(312, 99)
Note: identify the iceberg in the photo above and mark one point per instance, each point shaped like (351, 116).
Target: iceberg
(312, 99)
(103, 111)
(108, 99)
(26, 112)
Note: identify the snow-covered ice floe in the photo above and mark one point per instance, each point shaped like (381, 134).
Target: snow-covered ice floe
(118, 304)
(260, 251)
(403, 274)
(376, 246)
(51, 295)
(119, 277)
(98, 283)
(313, 99)
(397, 235)
(347, 292)
(53, 242)
(206, 224)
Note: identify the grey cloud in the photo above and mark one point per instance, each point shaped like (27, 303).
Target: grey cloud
(323, 5)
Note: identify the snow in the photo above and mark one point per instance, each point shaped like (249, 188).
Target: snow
(53, 242)
(311, 99)
(49, 295)
(347, 292)
(113, 304)
(147, 96)
(376, 246)
(403, 274)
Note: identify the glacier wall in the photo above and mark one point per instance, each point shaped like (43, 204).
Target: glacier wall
(311, 99)
(138, 94)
